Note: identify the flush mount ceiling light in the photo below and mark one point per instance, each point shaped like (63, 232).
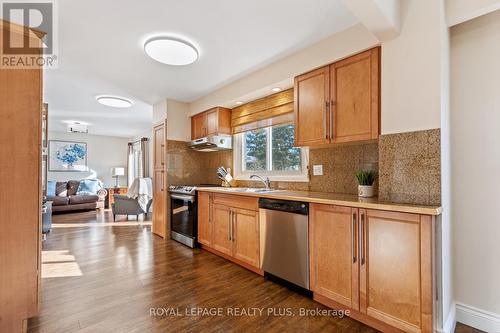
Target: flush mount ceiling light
(114, 101)
(239, 102)
(171, 51)
(276, 89)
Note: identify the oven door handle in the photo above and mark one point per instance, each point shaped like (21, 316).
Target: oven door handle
(188, 198)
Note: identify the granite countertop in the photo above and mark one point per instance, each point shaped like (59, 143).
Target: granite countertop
(332, 199)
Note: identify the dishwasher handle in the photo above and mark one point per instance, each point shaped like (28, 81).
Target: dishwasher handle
(295, 207)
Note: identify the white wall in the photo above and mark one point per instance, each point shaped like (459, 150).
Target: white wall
(352, 40)
(159, 111)
(104, 153)
(411, 70)
(178, 121)
(475, 160)
(459, 11)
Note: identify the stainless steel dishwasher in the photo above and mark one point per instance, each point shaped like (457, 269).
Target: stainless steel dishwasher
(284, 240)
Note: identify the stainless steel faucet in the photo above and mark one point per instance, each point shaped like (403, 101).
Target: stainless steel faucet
(266, 182)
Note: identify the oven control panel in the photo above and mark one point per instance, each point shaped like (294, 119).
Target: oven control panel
(182, 189)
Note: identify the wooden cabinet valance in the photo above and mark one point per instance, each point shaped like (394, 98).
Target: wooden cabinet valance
(271, 110)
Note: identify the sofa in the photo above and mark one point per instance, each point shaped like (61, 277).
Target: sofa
(67, 196)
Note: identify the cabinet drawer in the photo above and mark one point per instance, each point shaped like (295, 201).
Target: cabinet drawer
(237, 201)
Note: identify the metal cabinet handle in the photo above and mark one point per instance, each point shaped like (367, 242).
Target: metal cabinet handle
(162, 188)
(353, 236)
(332, 103)
(326, 117)
(234, 227)
(229, 223)
(362, 239)
(162, 154)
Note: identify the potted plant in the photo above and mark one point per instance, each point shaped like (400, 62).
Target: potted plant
(365, 181)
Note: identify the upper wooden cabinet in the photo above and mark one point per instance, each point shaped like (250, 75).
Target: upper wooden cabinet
(213, 121)
(340, 102)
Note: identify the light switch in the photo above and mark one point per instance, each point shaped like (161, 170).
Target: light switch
(318, 170)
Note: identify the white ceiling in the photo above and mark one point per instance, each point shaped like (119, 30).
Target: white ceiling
(101, 52)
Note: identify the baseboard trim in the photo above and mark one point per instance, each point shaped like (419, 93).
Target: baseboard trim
(451, 321)
(481, 319)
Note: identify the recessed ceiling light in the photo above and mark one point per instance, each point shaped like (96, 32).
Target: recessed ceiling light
(276, 89)
(171, 51)
(114, 101)
(239, 102)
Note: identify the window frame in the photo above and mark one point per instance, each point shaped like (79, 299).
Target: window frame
(288, 176)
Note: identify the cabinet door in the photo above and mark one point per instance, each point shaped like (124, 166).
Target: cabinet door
(159, 204)
(354, 94)
(199, 126)
(333, 253)
(396, 269)
(212, 121)
(159, 146)
(204, 218)
(246, 236)
(221, 237)
(312, 115)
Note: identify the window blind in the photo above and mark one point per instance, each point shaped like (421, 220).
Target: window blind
(271, 110)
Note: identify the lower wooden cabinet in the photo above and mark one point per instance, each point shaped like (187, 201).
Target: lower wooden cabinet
(246, 236)
(227, 228)
(222, 223)
(334, 253)
(376, 263)
(204, 218)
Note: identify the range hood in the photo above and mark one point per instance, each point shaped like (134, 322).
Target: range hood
(212, 143)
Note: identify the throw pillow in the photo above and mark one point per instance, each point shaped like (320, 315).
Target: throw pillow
(62, 189)
(73, 187)
(88, 187)
(51, 188)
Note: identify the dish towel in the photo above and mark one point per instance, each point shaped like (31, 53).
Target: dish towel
(142, 190)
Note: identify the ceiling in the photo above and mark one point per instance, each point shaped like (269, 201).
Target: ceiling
(101, 52)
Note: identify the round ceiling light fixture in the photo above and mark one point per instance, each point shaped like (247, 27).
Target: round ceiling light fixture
(276, 89)
(114, 101)
(239, 102)
(171, 51)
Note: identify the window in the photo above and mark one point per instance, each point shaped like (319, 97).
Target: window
(270, 152)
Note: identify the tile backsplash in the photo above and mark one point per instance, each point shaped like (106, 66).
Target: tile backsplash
(408, 165)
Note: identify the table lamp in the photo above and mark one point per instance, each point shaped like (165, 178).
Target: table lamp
(116, 173)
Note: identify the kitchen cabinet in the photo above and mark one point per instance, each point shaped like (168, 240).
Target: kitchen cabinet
(312, 118)
(229, 225)
(396, 269)
(214, 121)
(339, 103)
(205, 218)
(222, 229)
(246, 236)
(159, 226)
(22, 138)
(334, 255)
(377, 263)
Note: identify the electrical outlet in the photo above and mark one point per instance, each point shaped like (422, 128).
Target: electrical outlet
(318, 170)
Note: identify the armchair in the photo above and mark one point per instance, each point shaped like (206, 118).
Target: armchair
(124, 205)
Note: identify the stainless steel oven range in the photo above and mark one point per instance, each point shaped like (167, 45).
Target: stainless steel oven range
(183, 214)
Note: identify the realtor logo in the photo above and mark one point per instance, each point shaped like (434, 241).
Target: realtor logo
(28, 34)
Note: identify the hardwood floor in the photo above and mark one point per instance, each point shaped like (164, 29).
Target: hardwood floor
(116, 274)
(104, 276)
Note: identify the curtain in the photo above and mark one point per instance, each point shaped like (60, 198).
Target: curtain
(138, 160)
